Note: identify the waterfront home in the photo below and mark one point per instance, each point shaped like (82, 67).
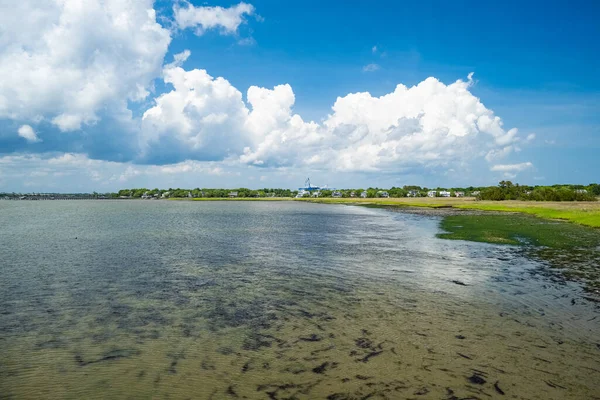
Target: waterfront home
(444, 193)
(432, 193)
(233, 194)
(475, 193)
(352, 194)
(316, 194)
(412, 193)
(459, 194)
(336, 194)
(383, 194)
(189, 195)
(165, 195)
(363, 194)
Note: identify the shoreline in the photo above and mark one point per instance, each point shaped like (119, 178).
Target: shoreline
(581, 213)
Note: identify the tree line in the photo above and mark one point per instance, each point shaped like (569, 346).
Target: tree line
(505, 190)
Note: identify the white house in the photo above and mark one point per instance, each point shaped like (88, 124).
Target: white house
(444, 193)
(336, 194)
(383, 194)
(363, 194)
(412, 193)
(432, 193)
(459, 194)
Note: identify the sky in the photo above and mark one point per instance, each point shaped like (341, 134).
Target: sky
(99, 95)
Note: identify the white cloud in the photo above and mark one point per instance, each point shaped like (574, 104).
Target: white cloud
(27, 132)
(85, 58)
(374, 49)
(77, 172)
(71, 59)
(511, 167)
(202, 117)
(497, 154)
(530, 137)
(429, 125)
(371, 68)
(178, 59)
(203, 18)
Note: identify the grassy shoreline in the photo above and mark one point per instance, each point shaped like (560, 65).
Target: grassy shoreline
(582, 213)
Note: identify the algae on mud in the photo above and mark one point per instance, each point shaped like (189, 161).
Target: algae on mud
(582, 213)
(571, 248)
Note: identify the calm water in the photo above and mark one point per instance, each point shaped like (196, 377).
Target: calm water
(277, 300)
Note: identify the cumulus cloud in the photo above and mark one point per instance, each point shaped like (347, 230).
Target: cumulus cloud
(511, 167)
(203, 18)
(371, 68)
(427, 125)
(202, 117)
(73, 59)
(27, 133)
(85, 60)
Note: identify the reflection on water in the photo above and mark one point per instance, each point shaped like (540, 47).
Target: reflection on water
(277, 301)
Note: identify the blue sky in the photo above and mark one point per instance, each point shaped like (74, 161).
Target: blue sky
(98, 104)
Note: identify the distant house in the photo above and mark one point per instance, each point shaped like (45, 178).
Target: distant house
(382, 193)
(336, 194)
(352, 194)
(459, 194)
(165, 195)
(189, 195)
(363, 194)
(233, 194)
(432, 193)
(475, 193)
(581, 191)
(316, 194)
(444, 193)
(413, 193)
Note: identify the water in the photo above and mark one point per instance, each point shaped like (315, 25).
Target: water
(277, 300)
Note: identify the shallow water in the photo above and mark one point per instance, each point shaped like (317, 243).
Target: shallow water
(156, 299)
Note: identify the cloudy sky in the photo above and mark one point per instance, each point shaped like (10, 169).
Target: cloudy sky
(107, 94)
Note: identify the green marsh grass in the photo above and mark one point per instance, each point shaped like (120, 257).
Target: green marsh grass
(582, 213)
